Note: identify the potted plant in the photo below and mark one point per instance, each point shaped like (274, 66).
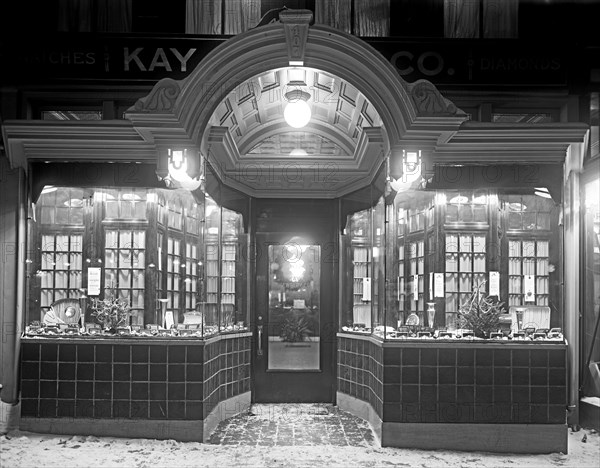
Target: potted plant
(110, 312)
(480, 313)
(294, 329)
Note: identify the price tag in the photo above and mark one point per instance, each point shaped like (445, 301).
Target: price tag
(366, 283)
(529, 288)
(415, 289)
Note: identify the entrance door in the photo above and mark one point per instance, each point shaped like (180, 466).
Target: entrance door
(294, 331)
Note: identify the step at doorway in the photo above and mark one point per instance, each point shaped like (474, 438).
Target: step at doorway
(294, 424)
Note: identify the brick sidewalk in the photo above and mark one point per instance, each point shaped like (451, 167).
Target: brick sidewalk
(294, 424)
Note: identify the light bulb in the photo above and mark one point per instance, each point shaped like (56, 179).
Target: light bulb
(297, 114)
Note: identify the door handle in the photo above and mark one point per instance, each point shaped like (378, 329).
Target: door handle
(259, 350)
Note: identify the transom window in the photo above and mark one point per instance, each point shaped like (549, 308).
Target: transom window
(466, 207)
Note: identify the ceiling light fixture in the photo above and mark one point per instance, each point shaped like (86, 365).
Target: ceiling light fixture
(297, 111)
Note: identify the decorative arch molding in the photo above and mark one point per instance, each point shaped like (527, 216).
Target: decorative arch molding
(190, 103)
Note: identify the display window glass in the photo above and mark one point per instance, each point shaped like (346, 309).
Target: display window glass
(171, 258)
(358, 245)
(378, 255)
(448, 253)
(590, 340)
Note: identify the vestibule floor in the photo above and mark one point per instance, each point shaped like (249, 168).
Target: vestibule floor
(294, 424)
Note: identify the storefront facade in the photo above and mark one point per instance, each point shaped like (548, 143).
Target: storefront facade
(329, 264)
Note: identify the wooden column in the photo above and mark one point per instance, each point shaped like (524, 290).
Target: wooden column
(572, 252)
(13, 246)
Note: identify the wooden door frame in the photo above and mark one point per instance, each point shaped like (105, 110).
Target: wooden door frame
(328, 240)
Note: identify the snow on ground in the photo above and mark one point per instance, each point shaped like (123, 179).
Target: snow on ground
(26, 449)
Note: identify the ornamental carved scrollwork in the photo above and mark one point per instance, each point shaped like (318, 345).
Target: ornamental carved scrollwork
(429, 101)
(162, 97)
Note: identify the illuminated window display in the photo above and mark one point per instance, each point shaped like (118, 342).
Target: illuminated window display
(450, 253)
(169, 257)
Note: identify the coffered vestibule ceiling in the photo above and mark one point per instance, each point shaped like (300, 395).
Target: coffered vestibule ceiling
(257, 151)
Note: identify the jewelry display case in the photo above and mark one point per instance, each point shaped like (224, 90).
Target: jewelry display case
(171, 257)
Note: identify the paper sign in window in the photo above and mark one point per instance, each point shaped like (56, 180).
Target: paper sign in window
(93, 285)
(415, 288)
(431, 286)
(529, 288)
(366, 283)
(494, 283)
(438, 281)
(169, 320)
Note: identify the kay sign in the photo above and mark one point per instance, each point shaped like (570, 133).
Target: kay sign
(154, 58)
(166, 59)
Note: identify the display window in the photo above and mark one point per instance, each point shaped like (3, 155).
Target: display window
(133, 261)
(451, 257)
(590, 339)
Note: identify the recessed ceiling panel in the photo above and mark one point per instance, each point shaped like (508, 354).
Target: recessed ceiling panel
(253, 117)
(305, 143)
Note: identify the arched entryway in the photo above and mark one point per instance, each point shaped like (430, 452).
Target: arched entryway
(230, 111)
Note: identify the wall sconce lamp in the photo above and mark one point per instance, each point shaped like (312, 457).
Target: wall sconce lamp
(181, 168)
(297, 112)
(404, 169)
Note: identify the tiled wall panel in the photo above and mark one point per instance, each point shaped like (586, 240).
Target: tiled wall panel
(457, 384)
(131, 380)
(360, 371)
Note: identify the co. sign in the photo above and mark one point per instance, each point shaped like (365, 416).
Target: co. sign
(428, 63)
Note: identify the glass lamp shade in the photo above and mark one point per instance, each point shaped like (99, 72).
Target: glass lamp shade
(178, 167)
(411, 171)
(406, 181)
(190, 184)
(297, 114)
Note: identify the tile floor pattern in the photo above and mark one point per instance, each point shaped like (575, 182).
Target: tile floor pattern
(294, 424)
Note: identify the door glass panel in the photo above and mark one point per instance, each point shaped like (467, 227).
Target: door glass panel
(294, 290)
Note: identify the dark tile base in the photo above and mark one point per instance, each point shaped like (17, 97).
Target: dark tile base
(141, 380)
(452, 383)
